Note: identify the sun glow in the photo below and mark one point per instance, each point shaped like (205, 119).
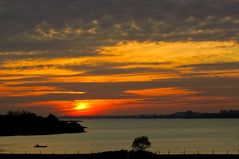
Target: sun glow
(82, 106)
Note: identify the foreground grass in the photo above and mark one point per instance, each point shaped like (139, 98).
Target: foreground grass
(115, 155)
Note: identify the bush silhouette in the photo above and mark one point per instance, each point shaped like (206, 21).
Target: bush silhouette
(141, 143)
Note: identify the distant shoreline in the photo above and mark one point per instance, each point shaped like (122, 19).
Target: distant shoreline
(223, 114)
(115, 117)
(84, 117)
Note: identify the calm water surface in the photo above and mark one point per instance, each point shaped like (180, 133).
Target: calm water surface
(176, 135)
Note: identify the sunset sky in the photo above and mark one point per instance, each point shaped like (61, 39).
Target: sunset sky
(119, 57)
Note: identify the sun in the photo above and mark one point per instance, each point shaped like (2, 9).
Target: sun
(82, 106)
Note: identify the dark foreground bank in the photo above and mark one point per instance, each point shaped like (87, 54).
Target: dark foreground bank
(115, 155)
(26, 123)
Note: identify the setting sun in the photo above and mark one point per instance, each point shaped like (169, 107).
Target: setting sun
(82, 106)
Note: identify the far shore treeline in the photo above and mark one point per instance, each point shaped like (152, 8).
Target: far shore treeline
(177, 115)
(27, 123)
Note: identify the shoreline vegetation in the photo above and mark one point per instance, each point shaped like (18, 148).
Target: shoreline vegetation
(122, 154)
(26, 123)
(178, 115)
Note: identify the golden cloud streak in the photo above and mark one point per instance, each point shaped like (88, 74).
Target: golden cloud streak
(147, 52)
(161, 92)
(21, 91)
(160, 55)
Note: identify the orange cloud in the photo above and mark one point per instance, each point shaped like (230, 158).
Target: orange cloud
(189, 52)
(156, 55)
(163, 60)
(115, 78)
(174, 52)
(21, 91)
(161, 92)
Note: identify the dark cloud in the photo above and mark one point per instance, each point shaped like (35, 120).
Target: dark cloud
(215, 66)
(78, 24)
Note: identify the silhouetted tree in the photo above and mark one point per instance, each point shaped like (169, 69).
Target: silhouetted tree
(141, 143)
(52, 118)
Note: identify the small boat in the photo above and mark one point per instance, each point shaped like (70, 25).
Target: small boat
(40, 146)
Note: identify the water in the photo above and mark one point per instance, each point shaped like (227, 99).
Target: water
(176, 135)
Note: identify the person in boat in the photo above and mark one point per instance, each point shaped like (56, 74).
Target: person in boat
(40, 146)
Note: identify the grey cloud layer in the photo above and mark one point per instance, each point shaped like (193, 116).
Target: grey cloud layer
(215, 66)
(81, 25)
